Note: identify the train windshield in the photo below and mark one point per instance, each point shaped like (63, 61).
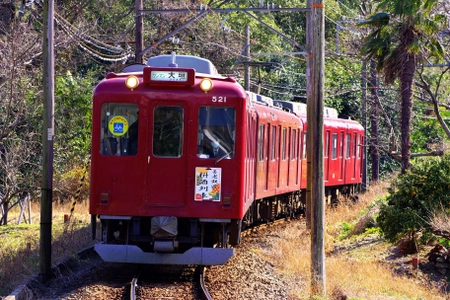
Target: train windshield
(216, 132)
(119, 129)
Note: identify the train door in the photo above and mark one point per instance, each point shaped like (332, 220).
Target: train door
(360, 156)
(298, 154)
(355, 154)
(272, 174)
(341, 154)
(292, 156)
(262, 157)
(267, 136)
(348, 161)
(326, 151)
(283, 168)
(304, 156)
(166, 157)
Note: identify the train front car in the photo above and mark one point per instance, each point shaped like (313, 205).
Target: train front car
(167, 163)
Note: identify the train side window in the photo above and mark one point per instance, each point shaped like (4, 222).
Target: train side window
(334, 145)
(216, 132)
(341, 145)
(168, 130)
(361, 148)
(355, 145)
(293, 144)
(304, 144)
(119, 129)
(349, 140)
(261, 142)
(326, 150)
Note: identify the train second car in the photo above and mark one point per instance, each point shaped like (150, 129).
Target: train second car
(183, 159)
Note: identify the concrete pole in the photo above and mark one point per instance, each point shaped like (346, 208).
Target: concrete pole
(316, 128)
(310, 113)
(45, 251)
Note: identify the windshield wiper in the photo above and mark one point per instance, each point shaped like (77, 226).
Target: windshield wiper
(224, 156)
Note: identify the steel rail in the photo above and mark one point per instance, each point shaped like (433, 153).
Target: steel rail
(133, 285)
(201, 280)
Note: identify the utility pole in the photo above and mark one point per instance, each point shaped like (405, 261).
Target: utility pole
(316, 130)
(309, 114)
(45, 251)
(139, 30)
(247, 59)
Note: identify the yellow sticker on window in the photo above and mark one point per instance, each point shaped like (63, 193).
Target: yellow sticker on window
(118, 125)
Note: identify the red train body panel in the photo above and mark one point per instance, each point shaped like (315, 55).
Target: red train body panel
(182, 159)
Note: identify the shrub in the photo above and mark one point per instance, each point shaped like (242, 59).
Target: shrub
(412, 196)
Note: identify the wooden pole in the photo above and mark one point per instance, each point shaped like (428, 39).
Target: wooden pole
(316, 128)
(139, 29)
(45, 253)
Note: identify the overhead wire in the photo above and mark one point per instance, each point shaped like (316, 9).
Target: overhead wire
(87, 43)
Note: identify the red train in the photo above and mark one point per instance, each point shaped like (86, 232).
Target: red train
(183, 159)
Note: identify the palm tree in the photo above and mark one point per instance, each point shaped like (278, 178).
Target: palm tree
(404, 33)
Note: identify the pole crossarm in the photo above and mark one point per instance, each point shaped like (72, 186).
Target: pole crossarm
(221, 10)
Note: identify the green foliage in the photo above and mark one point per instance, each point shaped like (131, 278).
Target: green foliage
(444, 242)
(346, 229)
(73, 96)
(425, 134)
(372, 231)
(413, 196)
(343, 90)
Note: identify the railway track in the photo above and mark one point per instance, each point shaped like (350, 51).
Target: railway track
(156, 282)
(201, 281)
(133, 286)
(96, 280)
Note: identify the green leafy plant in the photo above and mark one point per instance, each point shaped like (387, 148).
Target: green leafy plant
(411, 198)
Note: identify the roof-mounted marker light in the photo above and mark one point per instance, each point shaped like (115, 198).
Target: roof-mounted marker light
(206, 85)
(132, 82)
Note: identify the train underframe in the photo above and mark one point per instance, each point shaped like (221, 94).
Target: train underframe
(197, 241)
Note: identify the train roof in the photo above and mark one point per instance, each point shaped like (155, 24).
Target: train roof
(295, 107)
(300, 108)
(201, 65)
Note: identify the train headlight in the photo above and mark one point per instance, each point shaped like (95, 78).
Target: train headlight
(206, 85)
(132, 82)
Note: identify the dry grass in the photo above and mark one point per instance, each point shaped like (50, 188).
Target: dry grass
(362, 272)
(19, 244)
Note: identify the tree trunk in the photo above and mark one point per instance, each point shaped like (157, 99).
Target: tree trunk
(374, 142)
(406, 85)
(4, 219)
